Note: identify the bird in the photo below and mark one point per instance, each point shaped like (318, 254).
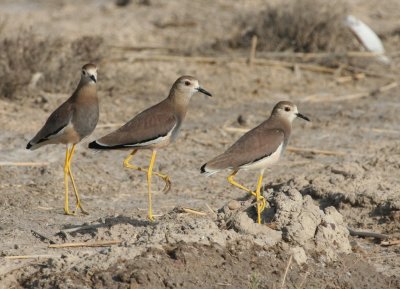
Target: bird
(257, 149)
(71, 122)
(153, 129)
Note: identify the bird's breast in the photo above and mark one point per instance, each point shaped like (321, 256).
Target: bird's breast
(85, 119)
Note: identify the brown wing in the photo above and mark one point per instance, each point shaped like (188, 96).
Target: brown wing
(148, 126)
(58, 120)
(251, 147)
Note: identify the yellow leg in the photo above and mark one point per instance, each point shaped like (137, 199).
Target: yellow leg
(165, 178)
(236, 184)
(66, 172)
(78, 201)
(149, 173)
(258, 196)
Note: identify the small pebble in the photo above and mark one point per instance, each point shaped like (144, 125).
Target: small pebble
(242, 120)
(233, 205)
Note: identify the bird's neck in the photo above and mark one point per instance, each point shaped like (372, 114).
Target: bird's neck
(180, 103)
(86, 91)
(279, 122)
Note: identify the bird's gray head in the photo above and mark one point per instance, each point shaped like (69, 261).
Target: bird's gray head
(89, 73)
(188, 85)
(287, 110)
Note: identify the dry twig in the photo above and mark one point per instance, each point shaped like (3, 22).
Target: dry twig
(253, 47)
(381, 130)
(30, 257)
(211, 210)
(305, 56)
(367, 234)
(351, 96)
(25, 164)
(109, 125)
(356, 76)
(390, 243)
(143, 48)
(218, 60)
(315, 151)
(286, 271)
(194, 212)
(84, 244)
(370, 73)
(272, 62)
(235, 129)
(383, 256)
(303, 280)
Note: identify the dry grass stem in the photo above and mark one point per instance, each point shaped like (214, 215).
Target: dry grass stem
(286, 272)
(303, 280)
(143, 48)
(390, 243)
(194, 212)
(24, 164)
(235, 129)
(352, 96)
(381, 130)
(18, 257)
(367, 234)
(211, 210)
(384, 256)
(224, 284)
(109, 125)
(86, 244)
(219, 60)
(253, 48)
(315, 151)
(356, 76)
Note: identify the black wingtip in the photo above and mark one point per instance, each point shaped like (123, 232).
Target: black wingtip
(203, 168)
(28, 146)
(95, 145)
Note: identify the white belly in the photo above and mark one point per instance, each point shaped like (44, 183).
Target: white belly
(265, 162)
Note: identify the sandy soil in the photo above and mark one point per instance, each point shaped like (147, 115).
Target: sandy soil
(313, 197)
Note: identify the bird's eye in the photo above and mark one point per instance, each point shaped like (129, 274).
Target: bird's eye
(83, 72)
(187, 82)
(287, 108)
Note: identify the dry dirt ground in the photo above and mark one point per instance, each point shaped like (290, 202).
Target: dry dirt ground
(313, 197)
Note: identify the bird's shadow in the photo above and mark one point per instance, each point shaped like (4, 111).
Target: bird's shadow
(108, 222)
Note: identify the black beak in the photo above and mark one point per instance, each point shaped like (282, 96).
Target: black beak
(199, 89)
(302, 116)
(92, 77)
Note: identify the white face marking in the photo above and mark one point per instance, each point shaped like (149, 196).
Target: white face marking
(289, 112)
(190, 86)
(89, 74)
(193, 87)
(293, 113)
(196, 86)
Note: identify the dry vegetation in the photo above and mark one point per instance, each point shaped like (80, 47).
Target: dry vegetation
(298, 26)
(28, 62)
